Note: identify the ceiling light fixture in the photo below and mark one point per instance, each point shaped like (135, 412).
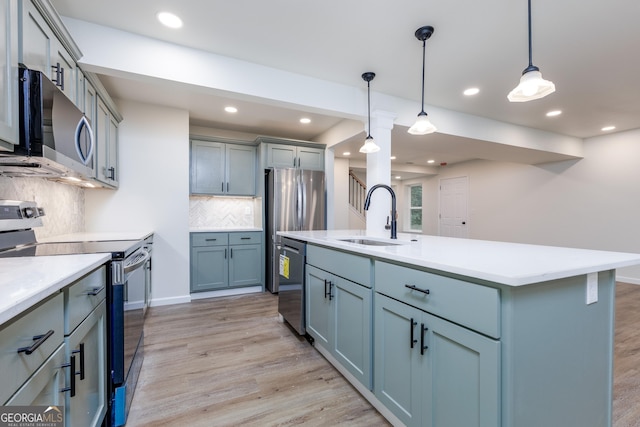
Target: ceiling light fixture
(231, 109)
(369, 144)
(346, 153)
(554, 113)
(532, 85)
(431, 161)
(423, 126)
(607, 128)
(170, 20)
(471, 91)
(305, 120)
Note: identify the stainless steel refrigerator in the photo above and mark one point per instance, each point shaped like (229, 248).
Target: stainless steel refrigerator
(294, 200)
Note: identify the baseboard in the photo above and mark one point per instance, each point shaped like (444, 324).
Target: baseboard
(157, 302)
(226, 292)
(630, 280)
(365, 392)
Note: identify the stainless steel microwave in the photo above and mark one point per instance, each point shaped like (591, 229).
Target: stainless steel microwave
(56, 138)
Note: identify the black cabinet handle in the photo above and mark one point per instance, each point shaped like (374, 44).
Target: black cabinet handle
(330, 287)
(222, 186)
(328, 282)
(95, 291)
(210, 240)
(59, 80)
(225, 253)
(415, 288)
(423, 329)
(39, 339)
(227, 187)
(231, 253)
(72, 382)
(81, 352)
(413, 340)
(245, 238)
(112, 173)
(325, 288)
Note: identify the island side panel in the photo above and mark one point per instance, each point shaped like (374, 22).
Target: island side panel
(558, 353)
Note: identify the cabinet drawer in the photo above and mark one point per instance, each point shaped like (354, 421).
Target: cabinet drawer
(82, 297)
(209, 239)
(245, 238)
(474, 306)
(352, 267)
(17, 367)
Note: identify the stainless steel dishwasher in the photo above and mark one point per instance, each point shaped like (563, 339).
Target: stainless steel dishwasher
(292, 258)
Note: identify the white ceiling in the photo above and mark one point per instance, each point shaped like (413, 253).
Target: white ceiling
(588, 49)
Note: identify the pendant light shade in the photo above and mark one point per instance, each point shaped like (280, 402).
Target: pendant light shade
(369, 144)
(423, 126)
(532, 85)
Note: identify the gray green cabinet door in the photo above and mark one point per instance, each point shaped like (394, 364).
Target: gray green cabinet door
(310, 158)
(9, 64)
(106, 140)
(338, 316)
(245, 265)
(318, 304)
(430, 372)
(207, 167)
(398, 363)
(88, 341)
(209, 268)
(352, 328)
(241, 170)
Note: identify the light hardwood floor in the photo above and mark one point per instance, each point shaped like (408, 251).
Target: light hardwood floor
(230, 362)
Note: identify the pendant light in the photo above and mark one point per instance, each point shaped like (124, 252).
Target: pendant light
(423, 126)
(369, 144)
(532, 85)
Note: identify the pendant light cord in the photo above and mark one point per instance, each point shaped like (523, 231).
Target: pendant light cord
(424, 48)
(530, 48)
(369, 105)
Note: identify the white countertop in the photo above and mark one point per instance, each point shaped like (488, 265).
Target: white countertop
(25, 281)
(511, 264)
(98, 236)
(222, 230)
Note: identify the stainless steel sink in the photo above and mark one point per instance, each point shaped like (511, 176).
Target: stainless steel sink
(369, 242)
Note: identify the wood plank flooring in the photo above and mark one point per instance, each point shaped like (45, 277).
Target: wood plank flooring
(230, 362)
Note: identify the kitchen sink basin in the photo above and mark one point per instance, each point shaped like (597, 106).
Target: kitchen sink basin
(369, 242)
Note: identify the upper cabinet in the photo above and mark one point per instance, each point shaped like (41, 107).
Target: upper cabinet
(286, 153)
(45, 45)
(222, 168)
(9, 72)
(106, 134)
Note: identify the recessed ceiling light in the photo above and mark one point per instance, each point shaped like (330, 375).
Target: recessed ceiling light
(431, 161)
(607, 128)
(393, 157)
(169, 19)
(230, 109)
(398, 177)
(554, 113)
(305, 120)
(346, 153)
(471, 91)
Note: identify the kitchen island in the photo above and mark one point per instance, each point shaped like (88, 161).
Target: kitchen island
(441, 331)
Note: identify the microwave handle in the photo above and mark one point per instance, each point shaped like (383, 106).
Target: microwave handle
(84, 123)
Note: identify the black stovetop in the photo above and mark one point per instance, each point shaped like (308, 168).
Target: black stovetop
(119, 249)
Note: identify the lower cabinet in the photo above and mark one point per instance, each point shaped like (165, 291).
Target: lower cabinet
(431, 372)
(339, 319)
(225, 260)
(55, 354)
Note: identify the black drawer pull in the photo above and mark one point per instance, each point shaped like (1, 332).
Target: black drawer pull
(210, 240)
(245, 238)
(95, 291)
(81, 351)
(415, 288)
(39, 339)
(413, 340)
(72, 380)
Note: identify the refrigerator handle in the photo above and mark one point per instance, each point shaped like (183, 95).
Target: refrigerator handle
(299, 203)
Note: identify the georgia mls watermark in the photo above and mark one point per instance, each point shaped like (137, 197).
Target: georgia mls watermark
(31, 416)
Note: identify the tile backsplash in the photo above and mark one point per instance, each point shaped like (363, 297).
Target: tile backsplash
(224, 212)
(63, 204)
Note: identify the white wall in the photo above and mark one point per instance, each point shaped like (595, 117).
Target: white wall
(590, 203)
(340, 194)
(153, 193)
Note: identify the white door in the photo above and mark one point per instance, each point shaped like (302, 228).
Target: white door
(453, 207)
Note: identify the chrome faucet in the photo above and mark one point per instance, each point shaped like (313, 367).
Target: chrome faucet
(394, 222)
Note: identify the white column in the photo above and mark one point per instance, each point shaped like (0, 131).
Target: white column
(379, 171)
